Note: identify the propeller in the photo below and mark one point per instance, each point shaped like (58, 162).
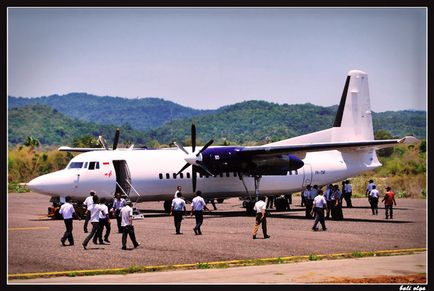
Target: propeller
(192, 159)
(104, 144)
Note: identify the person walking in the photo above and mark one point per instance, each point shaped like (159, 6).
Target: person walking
(178, 189)
(87, 202)
(178, 210)
(104, 221)
(319, 204)
(68, 212)
(127, 226)
(118, 203)
(328, 197)
(94, 211)
(374, 196)
(197, 207)
(271, 201)
(369, 188)
(389, 201)
(261, 218)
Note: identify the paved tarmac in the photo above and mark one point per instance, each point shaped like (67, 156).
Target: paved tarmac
(312, 272)
(34, 241)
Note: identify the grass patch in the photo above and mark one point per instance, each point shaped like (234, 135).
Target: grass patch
(357, 254)
(203, 266)
(313, 257)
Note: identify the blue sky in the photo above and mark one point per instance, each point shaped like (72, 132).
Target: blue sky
(209, 57)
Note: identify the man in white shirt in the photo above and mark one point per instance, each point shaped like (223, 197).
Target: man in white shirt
(68, 212)
(118, 203)
(104, 221)
(94, 211)
(261, 218)
(374, 195)
(319, 204)
(178, 209)
(369, 188)
(178, 189)
(86, 204)
(197, 207)
(127, 226)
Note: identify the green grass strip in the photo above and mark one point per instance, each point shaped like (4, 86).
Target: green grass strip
(213, 265)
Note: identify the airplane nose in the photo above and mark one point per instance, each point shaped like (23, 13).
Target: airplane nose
(46, 184)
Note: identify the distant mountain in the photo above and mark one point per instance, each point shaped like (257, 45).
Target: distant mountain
(241, 123)
(51, 127)
(140, 114)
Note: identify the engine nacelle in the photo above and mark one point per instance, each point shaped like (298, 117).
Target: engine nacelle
(231, 159)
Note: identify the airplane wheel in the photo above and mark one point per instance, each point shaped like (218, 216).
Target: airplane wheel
(249, 207)
(220, 200)
(167, 205)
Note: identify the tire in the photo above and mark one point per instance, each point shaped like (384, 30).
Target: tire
(167, 205)
(220, 200)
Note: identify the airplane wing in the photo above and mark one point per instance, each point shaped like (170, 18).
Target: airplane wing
(79, 150)
(301, 149)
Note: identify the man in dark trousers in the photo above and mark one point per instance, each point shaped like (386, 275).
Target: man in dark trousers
(197, 207)
(127, 226)
(94, 211)
(104, 221)
(68, 212)
(261, 218)
(319, 204)
(178, 210)
(389, 201)
(87, 202)
(118, 203)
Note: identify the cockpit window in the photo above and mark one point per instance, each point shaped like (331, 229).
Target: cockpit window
(75, 165)
(93, 165)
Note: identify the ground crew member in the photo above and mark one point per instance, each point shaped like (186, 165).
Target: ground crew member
(319, 204)
(118, 203)
(307, 202)
(197, 207)
(87, 202)
(338, 207)
(348, 193)
(178, 209)
(374, 195)
(270, 201)
(261, 218)
(369, 188)
(94, 211)
(178, 189)
(67, 211)
(328, 196)
(104, 221)
(127, 226)
(389, 200)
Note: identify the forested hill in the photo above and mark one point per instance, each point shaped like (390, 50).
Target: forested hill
(140, 113)
(242, 123)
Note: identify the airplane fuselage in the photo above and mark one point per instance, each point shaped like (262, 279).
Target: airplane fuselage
(150, 175)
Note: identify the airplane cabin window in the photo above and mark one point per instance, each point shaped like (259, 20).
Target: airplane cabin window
(174, 175)
(188, 175)
(85, 165)
(227, 174)
(93, 165)
(181, 175)
(167, 176)
(75, 165)
(221, 175)
(160, 176)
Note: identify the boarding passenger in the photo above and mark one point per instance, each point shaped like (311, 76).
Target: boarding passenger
(94, 211)
(389, 201)
(369, 188)
(178, 210)
(104, 221)
(374, 195)
(328, 197)
(118, 203)
(127, 226)
(307, 201)
(348, 193)
(261, 218)
(197, 207)
(319, 204)
(68, 212)
(87, 202)
(178, 189)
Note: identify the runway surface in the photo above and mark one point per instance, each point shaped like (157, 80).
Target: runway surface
(34, 241)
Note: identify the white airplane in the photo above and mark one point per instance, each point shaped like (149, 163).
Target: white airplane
(344, 150)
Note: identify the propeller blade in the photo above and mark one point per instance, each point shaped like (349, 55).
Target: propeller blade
(180, 147)
(193, 137)
(116, 139)
(194, 179)
(183, 168)
(103, 142)
(205, 147)
(205, 168)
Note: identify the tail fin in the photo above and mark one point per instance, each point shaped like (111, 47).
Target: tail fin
(354, 115)
(353, 120)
